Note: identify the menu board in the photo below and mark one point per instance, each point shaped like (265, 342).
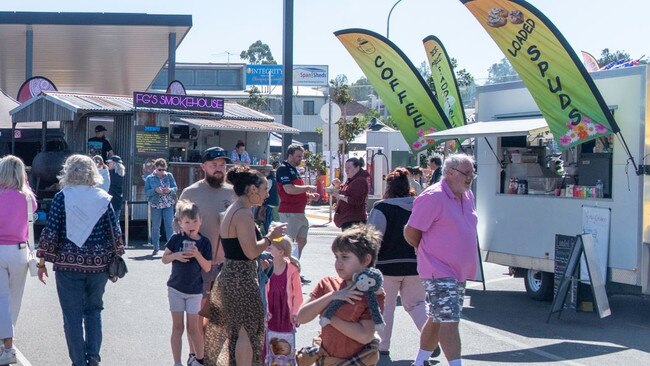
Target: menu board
(151, 141)
(596, 221)
(563, 247)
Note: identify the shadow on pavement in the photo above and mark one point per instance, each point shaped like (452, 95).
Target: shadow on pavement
(541, 354)
(147, 257)
(386, 360)
(514, 312)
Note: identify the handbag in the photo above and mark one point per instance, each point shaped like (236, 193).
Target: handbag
(32, 261)
(116, 265)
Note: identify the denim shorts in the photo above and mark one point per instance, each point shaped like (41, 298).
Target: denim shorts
(181, 302)
(444, 298)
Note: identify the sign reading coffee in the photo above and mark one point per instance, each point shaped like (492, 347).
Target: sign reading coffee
(173, 101)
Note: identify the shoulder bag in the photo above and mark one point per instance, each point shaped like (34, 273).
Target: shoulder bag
(116, 265)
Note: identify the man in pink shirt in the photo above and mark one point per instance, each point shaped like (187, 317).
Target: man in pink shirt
(442, 228)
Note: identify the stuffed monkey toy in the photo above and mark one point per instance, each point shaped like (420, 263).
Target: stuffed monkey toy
(368, 281)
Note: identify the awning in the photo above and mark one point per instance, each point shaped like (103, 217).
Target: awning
(108, 53)
(238, 125)
(500, 128)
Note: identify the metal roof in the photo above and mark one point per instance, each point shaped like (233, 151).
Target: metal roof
(108, 53)
(60, 106)
(238, 125)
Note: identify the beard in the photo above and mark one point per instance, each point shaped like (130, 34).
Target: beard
(215, 180)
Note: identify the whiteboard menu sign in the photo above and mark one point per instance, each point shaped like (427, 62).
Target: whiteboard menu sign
(595, 221)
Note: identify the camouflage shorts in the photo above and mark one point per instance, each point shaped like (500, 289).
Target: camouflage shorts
(444, 298)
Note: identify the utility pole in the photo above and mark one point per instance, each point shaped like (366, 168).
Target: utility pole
(287, 69)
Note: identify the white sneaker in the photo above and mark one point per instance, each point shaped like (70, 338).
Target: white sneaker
(8, 356)
(194, 363)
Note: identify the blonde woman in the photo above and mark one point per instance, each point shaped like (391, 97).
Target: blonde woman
(81, 236)
(14, 193)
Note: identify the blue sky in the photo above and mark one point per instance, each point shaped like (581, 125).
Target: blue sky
(222, 27)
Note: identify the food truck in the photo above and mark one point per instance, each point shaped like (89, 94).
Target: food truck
(528, 191)
(140, 132)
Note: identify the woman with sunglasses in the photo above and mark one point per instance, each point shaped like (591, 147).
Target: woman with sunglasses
(160, 188)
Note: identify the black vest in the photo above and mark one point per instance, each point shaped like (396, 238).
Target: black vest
(396, 257)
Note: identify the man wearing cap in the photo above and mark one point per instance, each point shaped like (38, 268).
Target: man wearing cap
(99, 145)
(213, 195)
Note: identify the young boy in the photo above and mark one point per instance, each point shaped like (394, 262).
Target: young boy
(352, 330)
(190, 253)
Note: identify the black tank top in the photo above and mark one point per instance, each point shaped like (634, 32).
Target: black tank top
(232, 248)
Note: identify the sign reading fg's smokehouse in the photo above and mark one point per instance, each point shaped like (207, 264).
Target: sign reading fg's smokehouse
(173, 101)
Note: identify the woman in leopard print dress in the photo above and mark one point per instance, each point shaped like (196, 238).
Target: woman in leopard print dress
(235, 332)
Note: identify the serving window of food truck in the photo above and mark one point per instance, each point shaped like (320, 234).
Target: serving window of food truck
(529, 162)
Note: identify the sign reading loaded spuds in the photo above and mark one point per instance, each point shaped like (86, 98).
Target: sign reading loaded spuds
(398, 83)
(561, 86)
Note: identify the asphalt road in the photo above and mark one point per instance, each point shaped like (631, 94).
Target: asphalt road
(501, 326)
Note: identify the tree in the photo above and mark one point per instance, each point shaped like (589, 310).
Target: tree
(606, 56)
(315, 161)
(501, 72)
(255, 99)
(258, 53)
(424, 70)
(361, 89)
(348, 130)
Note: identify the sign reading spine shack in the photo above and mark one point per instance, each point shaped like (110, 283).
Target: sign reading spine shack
(173, 101)
(399, 85)
(444, 81)
(560, 85)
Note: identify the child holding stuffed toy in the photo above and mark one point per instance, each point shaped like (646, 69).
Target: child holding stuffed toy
(350, 332)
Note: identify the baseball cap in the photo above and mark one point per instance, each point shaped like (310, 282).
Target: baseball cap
(215, 153)
(115, 158)
(100, 128)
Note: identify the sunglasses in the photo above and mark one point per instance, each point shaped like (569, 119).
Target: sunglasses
(471, 175)
(161, 169)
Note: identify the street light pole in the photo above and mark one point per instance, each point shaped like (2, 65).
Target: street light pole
(388, 20)
(388, 37)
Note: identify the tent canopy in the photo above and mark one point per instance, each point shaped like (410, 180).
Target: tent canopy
(500, 128)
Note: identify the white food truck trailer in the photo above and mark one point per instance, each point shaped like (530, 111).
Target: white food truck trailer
(518, 230)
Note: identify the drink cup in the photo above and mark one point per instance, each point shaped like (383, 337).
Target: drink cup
(187, 244)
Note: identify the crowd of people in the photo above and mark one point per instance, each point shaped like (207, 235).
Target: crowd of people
(235, 287)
